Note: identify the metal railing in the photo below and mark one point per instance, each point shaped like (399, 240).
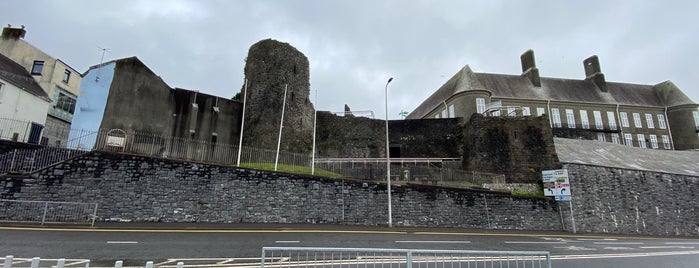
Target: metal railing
(47, 212)
(409, 258)
(30, 160)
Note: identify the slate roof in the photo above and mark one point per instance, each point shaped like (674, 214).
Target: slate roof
(14, 73)
(599, 153)
(554, 89)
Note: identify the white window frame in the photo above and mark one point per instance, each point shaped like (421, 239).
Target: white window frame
(451, 111)
(615, 138)
(600, 137)
(584, 120)
(661, 121)
(444, 114)
(540, 111)
(526, 111)
(666, 142)
(570, 117)
(556, 117)
(628, 139)
(641, 141)
(653, 141)
(511, 111)
(624, 117)
(612, 120)
(598, 119)
(695, 114)
(649, 121)
(480, 105)
(637, 120)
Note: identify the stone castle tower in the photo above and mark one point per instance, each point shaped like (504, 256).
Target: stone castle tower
(270, 66)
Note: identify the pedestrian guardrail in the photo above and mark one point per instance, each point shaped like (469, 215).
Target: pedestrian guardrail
(47, 212)
(275, 257)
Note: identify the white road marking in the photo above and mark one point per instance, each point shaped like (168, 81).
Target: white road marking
(597, 239)
(435, 242)
(628, 255)
(287, 241)
(681, 243)
(122, 242)
(534, 242)
(618, 243)
(683, 247)
(617, 248)
(576, 248)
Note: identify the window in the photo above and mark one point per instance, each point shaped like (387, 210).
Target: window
(661, 121)
(540, 111)
(628, 139)
(666, 141)
(496, 113)
(615, 138)
(451, 110)
(526, 111)
(556, 117)
(600, 137)
(444, 114)
(571, 118)
(37, 67)
(436, 116)
(583, 119)
(511, 111)
(641, 140)
(624, 119)
(480, 105)
(612, 120)
(598, 120)
(1, 89)
(696, 119)
(653, 141)
(637, 120)
(66, 76)
(65, 103)
(649, 121)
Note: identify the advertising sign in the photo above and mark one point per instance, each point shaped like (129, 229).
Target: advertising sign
(556, 183)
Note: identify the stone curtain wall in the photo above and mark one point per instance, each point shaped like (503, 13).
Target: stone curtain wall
(613, 200)
(136, 188)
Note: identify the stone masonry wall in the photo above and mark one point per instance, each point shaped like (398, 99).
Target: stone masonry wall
(136, 188)
(613, 200)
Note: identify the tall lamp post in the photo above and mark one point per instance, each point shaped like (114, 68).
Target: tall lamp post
(388, 159)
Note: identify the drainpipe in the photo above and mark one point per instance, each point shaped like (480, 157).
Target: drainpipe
(446, 108)
(621, 127)
(548, 107)
(667, 122)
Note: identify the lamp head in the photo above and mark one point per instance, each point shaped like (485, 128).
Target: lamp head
(389, 80)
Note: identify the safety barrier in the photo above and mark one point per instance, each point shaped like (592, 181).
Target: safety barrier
(409, 258)
(48, 212)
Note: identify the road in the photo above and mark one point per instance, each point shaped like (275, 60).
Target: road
(137, 245)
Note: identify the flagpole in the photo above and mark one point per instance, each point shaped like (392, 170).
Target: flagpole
(242, 124)
(281, 126)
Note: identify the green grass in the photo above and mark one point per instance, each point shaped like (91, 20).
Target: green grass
(527, 193)
(290, 169)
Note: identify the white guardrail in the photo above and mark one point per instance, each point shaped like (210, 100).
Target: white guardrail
(47, 212)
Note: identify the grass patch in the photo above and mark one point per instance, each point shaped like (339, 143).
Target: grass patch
(527, 193)
(303, 170)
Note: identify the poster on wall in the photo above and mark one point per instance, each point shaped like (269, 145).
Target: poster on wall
(556, 184)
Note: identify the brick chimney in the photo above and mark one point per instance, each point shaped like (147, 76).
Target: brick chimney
(594, 72)
(529, 69)
(13, 33)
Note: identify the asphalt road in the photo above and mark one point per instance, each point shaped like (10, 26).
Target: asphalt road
(242, 244)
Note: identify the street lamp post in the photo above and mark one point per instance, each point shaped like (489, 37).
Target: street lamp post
(388, 159)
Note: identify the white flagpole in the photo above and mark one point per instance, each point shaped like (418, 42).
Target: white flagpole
(281, 126)
(315, 115)
(242, 124)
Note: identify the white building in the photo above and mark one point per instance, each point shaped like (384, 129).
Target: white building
(23, 104)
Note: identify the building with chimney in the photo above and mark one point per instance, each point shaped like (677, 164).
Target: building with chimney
(58, 80)
(657, 116)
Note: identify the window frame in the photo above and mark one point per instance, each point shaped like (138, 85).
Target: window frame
(540, 111)
(661, 121)
(653, 141)
(649, 121)
(584, 120)
(526, 111)
(612, 120)
(615, 138)
(637, 120)
(480, 105)
(641, 140)
(666, 142)
(556, 117)
(66, 76)
(37, 67)
(624, 117)
(628, 139)
(599, 124)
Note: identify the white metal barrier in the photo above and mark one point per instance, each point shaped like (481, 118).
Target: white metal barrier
(47, 212)
(408, 258)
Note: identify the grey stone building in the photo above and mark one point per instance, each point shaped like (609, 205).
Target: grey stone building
(657, 116)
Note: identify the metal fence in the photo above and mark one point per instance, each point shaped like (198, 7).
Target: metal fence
(408, 258)
(47, 212)
(410, 170)
(30, 160)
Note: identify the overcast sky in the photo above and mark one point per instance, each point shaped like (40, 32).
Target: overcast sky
(355, 46)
